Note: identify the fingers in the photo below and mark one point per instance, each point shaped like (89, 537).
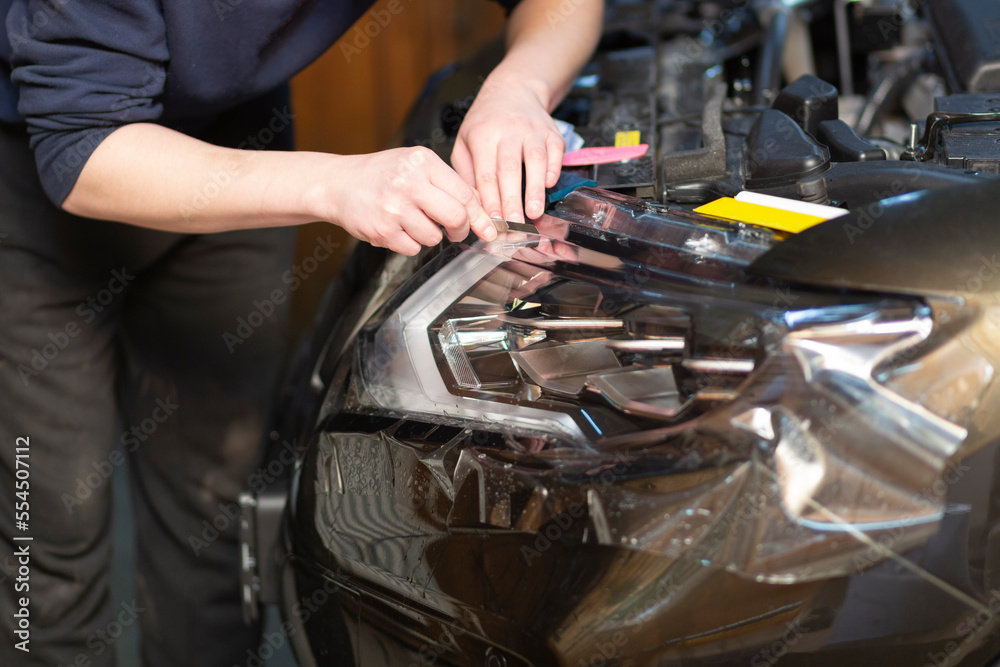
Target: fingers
(498, 178)
(535, 175)
(436, 198)
(422, 229)
(400, 242)
(453, 203)
(509, 179)
(461, 162)
(496, 171)
(404, 245)
(555, 147)
(406, 198)
(405, 235)
(486, 182)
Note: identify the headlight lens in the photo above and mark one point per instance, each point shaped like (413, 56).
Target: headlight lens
(775, 433)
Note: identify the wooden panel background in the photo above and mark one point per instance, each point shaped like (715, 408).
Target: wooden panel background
(354, 98)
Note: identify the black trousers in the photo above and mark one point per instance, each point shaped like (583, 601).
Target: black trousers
(120, 347)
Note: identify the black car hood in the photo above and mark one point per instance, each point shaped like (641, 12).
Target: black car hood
(927, 242)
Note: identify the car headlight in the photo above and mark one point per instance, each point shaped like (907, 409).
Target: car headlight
(775, 432)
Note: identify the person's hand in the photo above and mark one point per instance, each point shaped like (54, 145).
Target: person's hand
(404, 198)
(507, 124)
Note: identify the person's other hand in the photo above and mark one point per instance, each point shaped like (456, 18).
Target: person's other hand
(404, 198)
(507, 124)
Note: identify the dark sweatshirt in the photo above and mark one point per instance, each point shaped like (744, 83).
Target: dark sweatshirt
(75, 70)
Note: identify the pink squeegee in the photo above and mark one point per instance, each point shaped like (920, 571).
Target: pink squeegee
(603, 155)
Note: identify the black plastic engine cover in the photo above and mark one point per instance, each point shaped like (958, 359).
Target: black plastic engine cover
(845, 145)
(968, 35)
(808, 100)
(779, 152)
(974, 146)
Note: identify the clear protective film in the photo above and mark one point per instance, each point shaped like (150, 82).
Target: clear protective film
(614, 372)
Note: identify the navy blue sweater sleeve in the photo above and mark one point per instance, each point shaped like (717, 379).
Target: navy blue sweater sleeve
(84, 69)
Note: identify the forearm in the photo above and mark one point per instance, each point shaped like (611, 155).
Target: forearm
(150, 176)
(548, 42)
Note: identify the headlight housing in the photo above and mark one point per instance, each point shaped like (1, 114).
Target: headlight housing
(634, 369)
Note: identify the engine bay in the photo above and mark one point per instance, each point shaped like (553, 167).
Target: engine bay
(844, 103)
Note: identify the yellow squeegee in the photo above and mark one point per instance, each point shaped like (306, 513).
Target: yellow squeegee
(778, 213)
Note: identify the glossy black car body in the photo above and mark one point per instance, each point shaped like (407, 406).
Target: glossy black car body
(632, 434)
